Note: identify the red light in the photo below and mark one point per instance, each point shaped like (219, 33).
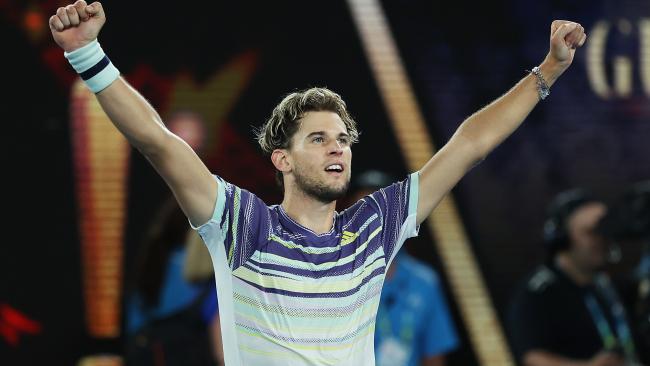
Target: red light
(34, 21)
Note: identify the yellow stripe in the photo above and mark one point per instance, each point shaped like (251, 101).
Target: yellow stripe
(368, 308)
(288, 284)
(276, 259)
(236, 204)
(269, 258)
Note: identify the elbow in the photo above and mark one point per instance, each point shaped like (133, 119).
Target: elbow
(472, 148)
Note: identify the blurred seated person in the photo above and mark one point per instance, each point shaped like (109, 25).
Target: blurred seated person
(568, 312)
(628, 223)
(413, 326)
(198, 269)
(164, 312)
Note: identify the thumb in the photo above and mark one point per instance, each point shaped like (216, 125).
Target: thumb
(95, 10)
(562, 31)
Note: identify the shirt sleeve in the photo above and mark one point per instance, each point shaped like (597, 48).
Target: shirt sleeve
(241, 223)
(439, 333)
(397, 205)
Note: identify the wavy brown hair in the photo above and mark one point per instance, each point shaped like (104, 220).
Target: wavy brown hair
(278, 130)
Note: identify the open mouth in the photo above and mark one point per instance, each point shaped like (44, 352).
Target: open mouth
(334, 168)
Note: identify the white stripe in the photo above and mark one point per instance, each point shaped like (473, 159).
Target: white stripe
(103, 78)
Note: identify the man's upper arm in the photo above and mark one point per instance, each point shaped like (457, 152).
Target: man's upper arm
(441, 173)
(190, 180)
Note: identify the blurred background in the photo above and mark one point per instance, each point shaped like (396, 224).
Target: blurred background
(77, 201)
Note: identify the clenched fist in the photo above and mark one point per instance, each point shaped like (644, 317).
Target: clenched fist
(566, 36)
(77, 25)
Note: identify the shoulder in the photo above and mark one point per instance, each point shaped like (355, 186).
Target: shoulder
(541, 280)
(535, 288)
(534, 295)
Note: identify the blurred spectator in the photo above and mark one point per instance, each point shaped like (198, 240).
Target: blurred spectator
(568, 312)
(198, 268)
(414, 326)
(628, 223)
(169, 321)
(190, 127)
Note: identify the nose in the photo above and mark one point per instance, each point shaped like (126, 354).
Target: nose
(335, 148)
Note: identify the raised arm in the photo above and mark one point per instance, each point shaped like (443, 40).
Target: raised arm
(479, 134)
(75, 29)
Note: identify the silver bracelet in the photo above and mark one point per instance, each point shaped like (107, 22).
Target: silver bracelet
(542, 87)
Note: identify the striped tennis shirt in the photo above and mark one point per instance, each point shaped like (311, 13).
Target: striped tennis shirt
(289, 296)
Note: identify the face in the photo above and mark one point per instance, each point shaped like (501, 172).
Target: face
(588, 248)
(319, 161)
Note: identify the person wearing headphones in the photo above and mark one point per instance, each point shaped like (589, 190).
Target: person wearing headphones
(568, 311)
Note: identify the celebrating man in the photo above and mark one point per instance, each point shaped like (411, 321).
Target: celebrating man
(299, 283)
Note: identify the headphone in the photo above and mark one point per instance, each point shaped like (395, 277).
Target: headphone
(556, 235)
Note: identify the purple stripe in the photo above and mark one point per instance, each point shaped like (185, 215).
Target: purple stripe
(373, 274)
(96, 69)
(334, 271)
(276, 248)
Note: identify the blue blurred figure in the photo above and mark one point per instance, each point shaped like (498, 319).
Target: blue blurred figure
(414, 325)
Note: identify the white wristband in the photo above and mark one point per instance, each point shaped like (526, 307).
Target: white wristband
(94, 67)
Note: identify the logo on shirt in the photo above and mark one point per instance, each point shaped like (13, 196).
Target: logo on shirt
(348, 237)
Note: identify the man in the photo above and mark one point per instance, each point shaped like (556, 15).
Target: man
(298, 283)
(414, 325)
(568, 312)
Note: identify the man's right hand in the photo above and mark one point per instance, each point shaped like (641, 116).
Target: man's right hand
(77, 25)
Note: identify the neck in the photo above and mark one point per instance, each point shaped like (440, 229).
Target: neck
(568, 265)
(309, 212)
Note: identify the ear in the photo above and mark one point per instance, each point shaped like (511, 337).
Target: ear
(281, 160)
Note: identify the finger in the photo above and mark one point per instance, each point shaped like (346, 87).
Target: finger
(564, 30)
(81, 5)
(56, 24)
(582, 41)
(72, 15)
(95, 10)
(579, 38)
(574, 37)
(63, 16)
(556, 24)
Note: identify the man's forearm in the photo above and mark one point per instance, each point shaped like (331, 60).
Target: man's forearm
(488, 127)
(75, 29)
(133, 116)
